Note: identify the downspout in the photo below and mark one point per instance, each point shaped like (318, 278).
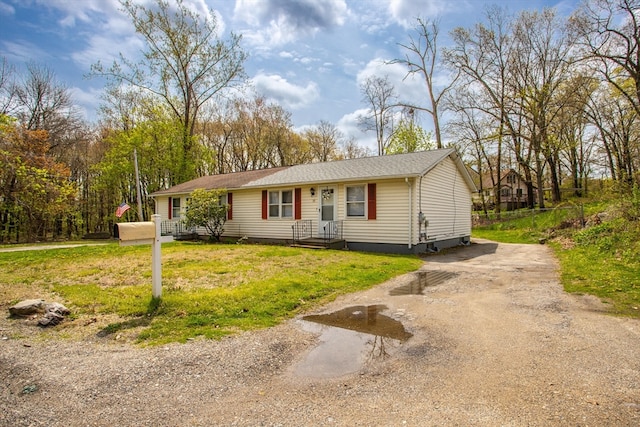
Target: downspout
(406, 179)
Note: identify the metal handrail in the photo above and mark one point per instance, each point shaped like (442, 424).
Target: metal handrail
(174, 228)
(333, 230)
(302, 229)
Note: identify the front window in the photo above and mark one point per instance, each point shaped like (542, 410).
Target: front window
(356, 201)
(281, 204)
(175, 207)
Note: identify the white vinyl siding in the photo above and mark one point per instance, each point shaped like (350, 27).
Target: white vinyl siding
(442, 195)
(247, 217)
(446, 202)
(391, 223)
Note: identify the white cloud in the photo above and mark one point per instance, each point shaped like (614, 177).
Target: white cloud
(19, 51)
(6, 9)
(289, 95)
(277, 22)
(348, 125)
(88, 100)
(410, 89)
(83, 11)
(405, 12)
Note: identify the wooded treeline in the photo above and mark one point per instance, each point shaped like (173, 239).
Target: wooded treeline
(556, 99)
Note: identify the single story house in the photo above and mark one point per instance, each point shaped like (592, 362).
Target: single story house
(403, 203)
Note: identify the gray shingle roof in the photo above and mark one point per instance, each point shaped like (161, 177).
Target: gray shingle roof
(392, 166)
(227, 181)
(398, 165)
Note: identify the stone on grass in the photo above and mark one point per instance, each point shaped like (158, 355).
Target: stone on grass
(28, 307)
(56, 307)
(50, 318)
(54, 312)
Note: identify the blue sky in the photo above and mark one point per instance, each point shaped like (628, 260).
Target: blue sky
(308, 55)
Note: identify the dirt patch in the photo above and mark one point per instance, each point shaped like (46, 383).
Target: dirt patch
(496, 343)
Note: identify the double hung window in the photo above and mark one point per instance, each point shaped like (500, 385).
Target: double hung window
(356, 201)
(281, 204)
(175, 207)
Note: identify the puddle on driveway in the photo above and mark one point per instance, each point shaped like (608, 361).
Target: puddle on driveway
(348, 339)
(422, 280)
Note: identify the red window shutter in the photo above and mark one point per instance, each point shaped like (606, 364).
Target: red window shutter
(264, 204)
(298, 203)
(229, 206)
(170, 208)
(371, 201)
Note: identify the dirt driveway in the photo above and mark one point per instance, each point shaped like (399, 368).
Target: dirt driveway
(493, 341)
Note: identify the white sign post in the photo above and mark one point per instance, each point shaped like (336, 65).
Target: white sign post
(143, 233)
(156, 261)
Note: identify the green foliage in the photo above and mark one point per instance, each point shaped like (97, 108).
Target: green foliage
(208, 290)
(409, 138)
(205, 208)
(185, 65)
(35, 189)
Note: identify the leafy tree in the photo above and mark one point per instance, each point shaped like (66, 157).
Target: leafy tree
(35, 190)
(156, 139)
(409, 137)
(185, 64)
(204, 209)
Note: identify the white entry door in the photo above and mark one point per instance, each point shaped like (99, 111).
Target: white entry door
(328, 208)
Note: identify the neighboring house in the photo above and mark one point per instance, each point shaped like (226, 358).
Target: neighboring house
(513, 191)
(404, 203)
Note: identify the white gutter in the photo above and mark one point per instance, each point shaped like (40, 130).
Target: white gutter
(406, 179)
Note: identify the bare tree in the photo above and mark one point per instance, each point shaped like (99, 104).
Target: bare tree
(184, 63)
(609, 32)
(7, 73)
(43, 103)
(483, 54)
(422, 58)
(350, 149)
(379, 94)
(323, 141)
(541, 66)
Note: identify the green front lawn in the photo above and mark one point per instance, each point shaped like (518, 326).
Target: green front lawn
(208, 290)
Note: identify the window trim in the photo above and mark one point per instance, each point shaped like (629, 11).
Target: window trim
(363, 202)
(174, 214)
(280, 204)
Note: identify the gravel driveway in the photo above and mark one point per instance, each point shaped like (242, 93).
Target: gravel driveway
(493, 341)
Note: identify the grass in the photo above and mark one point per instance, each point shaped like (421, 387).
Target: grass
(602, 259)
(208, 290)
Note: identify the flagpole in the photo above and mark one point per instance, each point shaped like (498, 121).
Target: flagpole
(135, 162)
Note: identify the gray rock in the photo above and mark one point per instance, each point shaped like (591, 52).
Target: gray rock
(56, 307)
(54, 312)
(50, 319)
(28, 307)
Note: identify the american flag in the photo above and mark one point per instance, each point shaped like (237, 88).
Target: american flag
(122, 209)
